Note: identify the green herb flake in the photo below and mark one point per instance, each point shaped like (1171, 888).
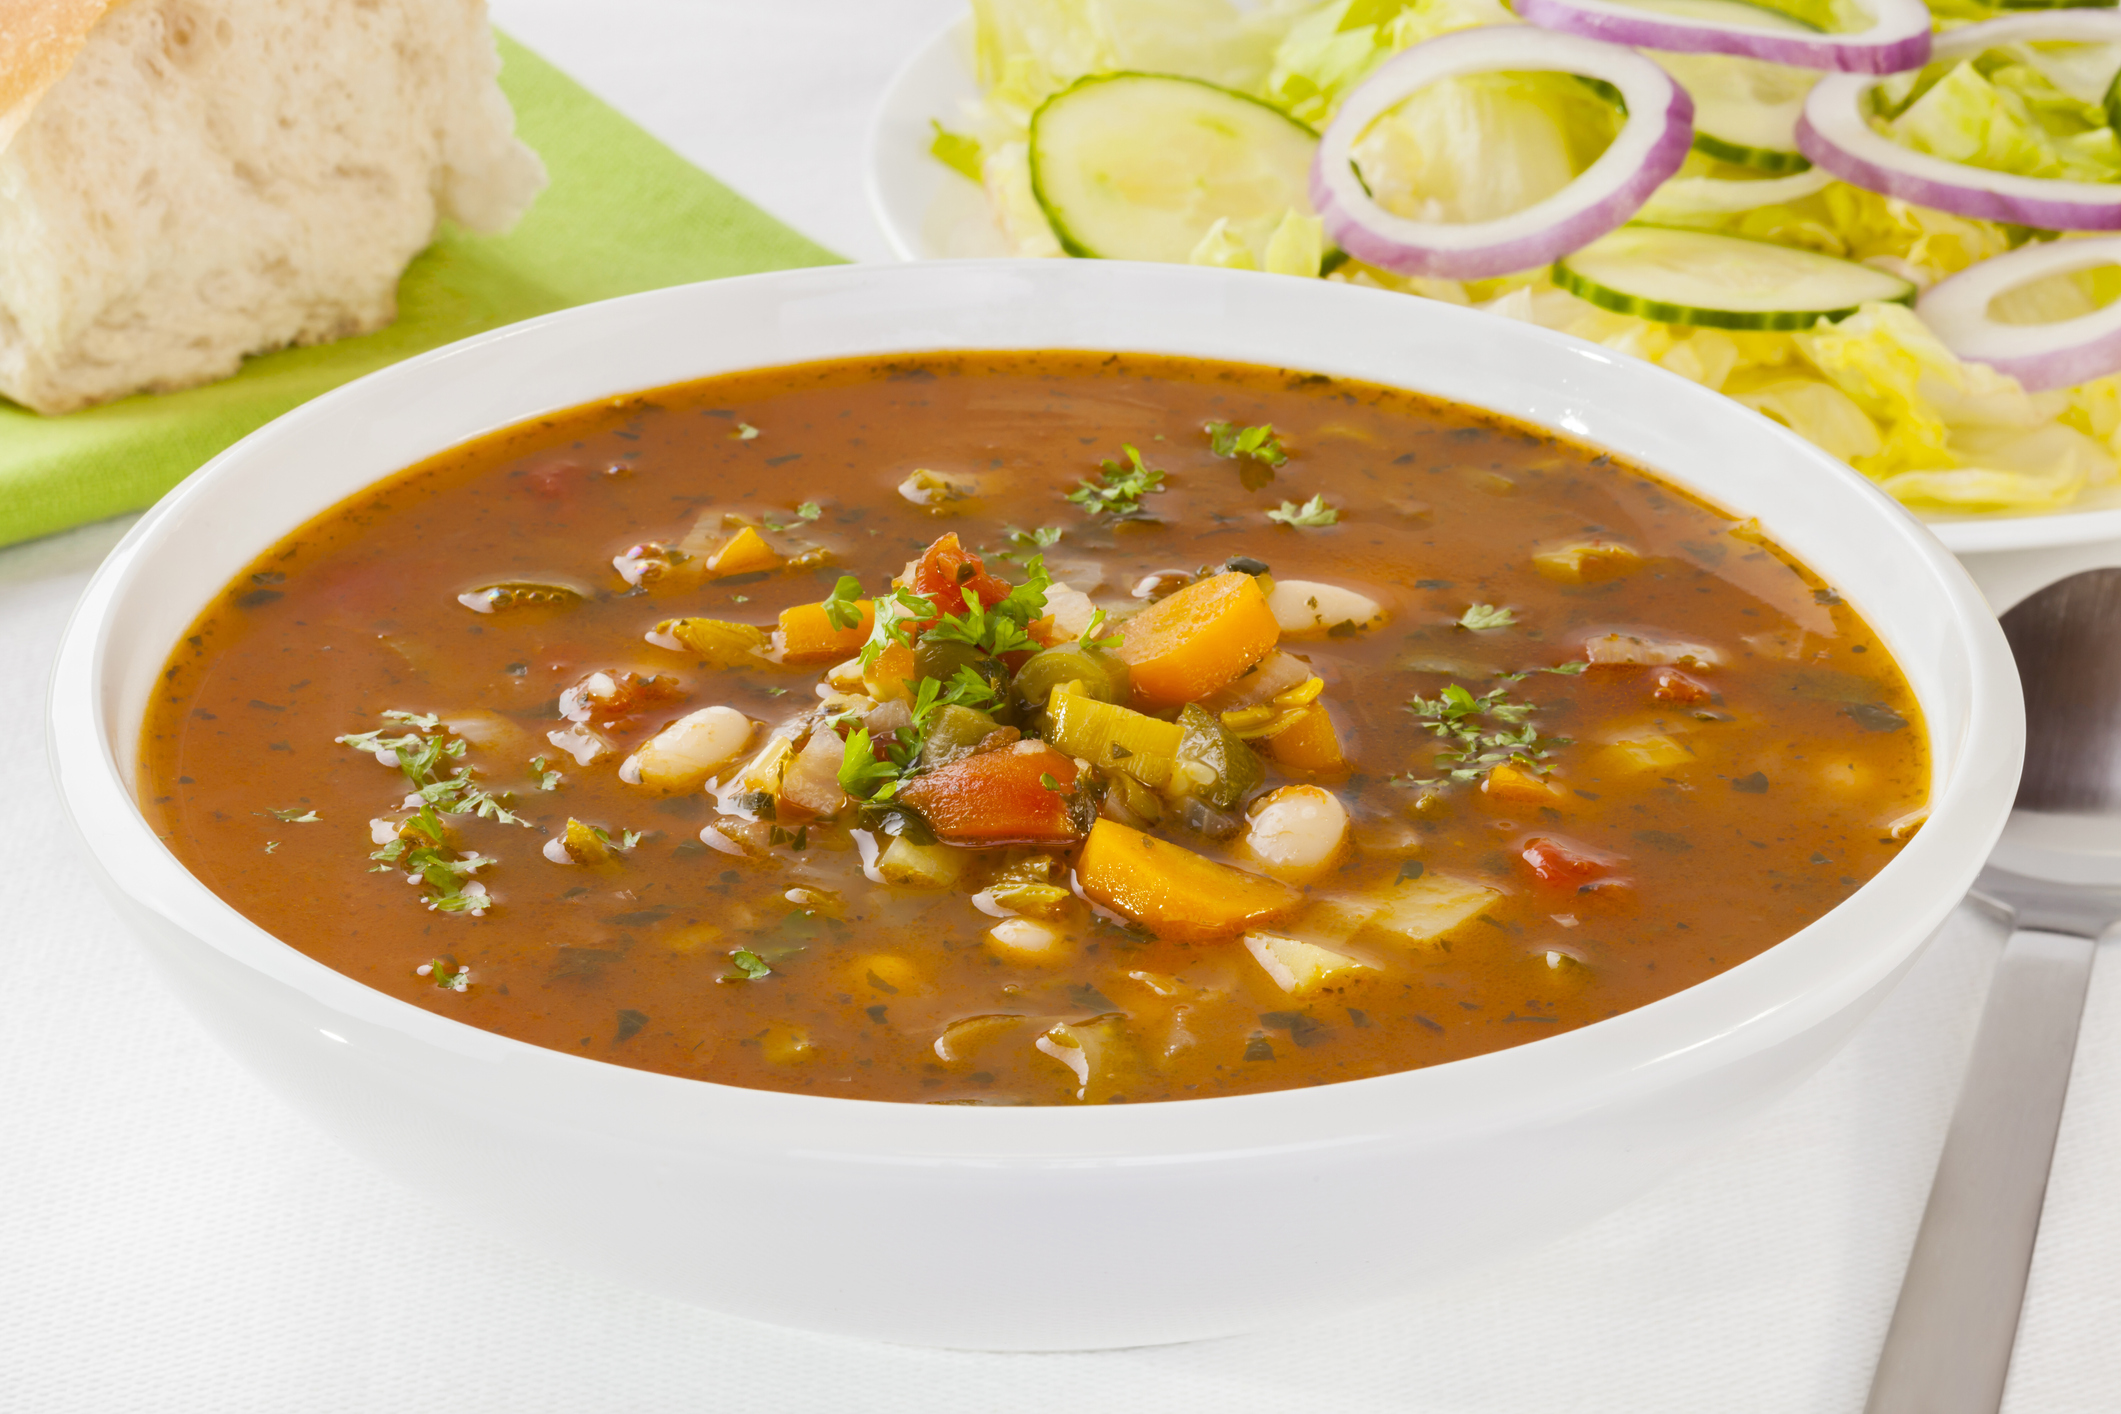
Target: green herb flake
(810, 510)
(744, 432)
(293, 815)
(1312, 513)
(750, 967)
(548, 779)
(1486, 616)
(1482, 732)
(1119, 493)
(1089, 640)
(863, 774)
(961, 154)
(271, 845)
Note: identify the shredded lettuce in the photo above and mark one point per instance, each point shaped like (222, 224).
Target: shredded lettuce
(1331, 48)
(1484, 146)
(2002, 113)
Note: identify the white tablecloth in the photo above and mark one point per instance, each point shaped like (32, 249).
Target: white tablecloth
(171, 1238)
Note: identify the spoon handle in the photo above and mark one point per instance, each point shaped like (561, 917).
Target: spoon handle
(1949, 1346)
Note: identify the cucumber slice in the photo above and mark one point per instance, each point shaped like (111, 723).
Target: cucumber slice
(1693, 277)
(1139, 166)
(1745, 110)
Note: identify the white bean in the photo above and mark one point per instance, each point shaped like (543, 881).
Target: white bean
(1026, 940)
(684, 754)
(1297, 833)
(1309, 607)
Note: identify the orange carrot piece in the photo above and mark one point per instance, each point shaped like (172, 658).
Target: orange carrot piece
(744, 552)
(1172, 891)
(891, 675)
(1184, 647)
(1514, 783)
(998, 797)
(1309, 744)
(808, 634)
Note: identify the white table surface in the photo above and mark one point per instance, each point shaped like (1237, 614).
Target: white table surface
(172, 1238)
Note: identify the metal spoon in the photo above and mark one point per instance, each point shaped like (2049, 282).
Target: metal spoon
(2056, 875)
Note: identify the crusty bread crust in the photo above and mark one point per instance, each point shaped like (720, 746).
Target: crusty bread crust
(38, 42)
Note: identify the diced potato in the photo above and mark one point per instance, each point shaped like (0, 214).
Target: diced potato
(786, 1044)
(884, 972)
(1420, 911)
(1297, 833)
(1652, 752)
(757, 788)
(743, 553)
(1308, 608)
(684, 754)
(1298, 967)
(1027, 940)
(715, 642)
(812, 780)
(921, 866)
(1586, 561)
(1517, 786)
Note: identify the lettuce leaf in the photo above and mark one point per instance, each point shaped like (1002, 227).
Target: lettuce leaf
(1483, 146)
(2002, 114)
(1331, 48)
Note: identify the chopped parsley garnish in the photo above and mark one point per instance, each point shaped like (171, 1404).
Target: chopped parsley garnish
(843, 609)
(293, 815)
(421, 846)
(1119, 494)
(749, 965)
(863, 774)
(809, 510)
(1566, 670)
(271, 845)
(1482, 732)
(1484, 616)
(896, 614)
(1029, 542)
(961, 154)
(548, 779)
(1002, 628)
(1313, 512)
(1259, 444)
(744, 432)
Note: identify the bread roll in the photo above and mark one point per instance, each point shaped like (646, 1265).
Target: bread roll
(184, 182)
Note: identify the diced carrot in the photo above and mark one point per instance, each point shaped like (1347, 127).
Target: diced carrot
(1309, 744)
(742, 553)
(1563, 866)
(1174, 892)
(1185, 646)
(891, 675)
(1517, 785)
(999, 797)
(947, 569)
(808, 634)
(1675, 686)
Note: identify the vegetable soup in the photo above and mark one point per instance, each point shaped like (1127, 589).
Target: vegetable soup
(1030, 728)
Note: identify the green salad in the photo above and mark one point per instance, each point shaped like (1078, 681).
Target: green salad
(1377, 142)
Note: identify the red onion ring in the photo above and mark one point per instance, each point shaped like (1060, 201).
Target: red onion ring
(1647, 150)
(2039, 356)
(1835, 135)
(1899, 36)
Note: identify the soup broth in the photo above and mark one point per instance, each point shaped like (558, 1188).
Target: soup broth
(1030, 728)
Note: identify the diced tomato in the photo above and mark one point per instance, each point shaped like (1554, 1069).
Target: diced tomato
(947, 569)
(1675, 686)
(999, 797)
(1562, 866)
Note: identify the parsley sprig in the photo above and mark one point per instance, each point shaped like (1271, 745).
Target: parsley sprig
(1028, 542)
(1482, 732)
(1260, 444)
(1119, 492)
(1090, 641)
(1314, 512)
(1486, 616)
(843, 610)
(421, 846)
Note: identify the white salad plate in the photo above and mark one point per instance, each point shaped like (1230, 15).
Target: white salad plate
(929, 212)
(1044, 1227)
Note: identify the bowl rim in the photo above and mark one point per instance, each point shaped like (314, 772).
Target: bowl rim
(1785, 990)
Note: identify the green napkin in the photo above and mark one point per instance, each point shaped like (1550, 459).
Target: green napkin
(624, 213)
